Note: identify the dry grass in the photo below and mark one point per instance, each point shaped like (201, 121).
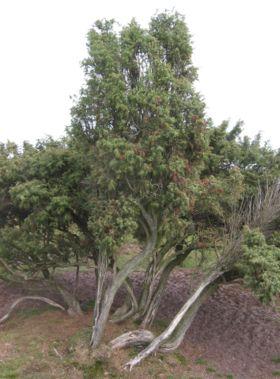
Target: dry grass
(47, 344)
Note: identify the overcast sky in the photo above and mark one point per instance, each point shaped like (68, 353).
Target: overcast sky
(42, 42)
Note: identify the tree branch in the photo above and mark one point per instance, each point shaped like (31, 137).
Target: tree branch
(37, 298)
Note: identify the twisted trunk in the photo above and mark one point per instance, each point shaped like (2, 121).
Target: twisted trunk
(69, 297)
(153, 271)
(40, 285)
(129, 308)
(119, 278)
(146, 288)
(182, 321)
(157, 289)
(143, 337)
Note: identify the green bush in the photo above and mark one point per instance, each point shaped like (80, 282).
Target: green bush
(261, 265)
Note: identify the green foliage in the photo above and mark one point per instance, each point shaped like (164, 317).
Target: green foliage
(261, 265)
(276, 360)
(181, 358)
(200, 361)
(142, 125)
(44, 207)
(210, 369)
(258, 162)
(274, 239)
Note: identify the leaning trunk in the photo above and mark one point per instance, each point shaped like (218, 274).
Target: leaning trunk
(153, 305)
(142, 337)
(184, 316)
(158, 286)
(178, 335)
(147, 288)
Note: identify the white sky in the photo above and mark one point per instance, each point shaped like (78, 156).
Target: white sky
(42, 42)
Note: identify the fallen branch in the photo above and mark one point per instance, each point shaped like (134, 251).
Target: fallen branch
(37, 298)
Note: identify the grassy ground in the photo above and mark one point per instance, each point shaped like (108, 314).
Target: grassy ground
(45, 344)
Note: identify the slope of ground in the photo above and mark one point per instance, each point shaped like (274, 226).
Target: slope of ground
(233, 336)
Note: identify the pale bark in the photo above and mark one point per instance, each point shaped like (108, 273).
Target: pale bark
(153, 305)
(120, 277)
(70, 299)
(129, 308)
(101, 275)
(36, 285)
(111, 291)
(143, 337)
(137, 338)
(153, 272)
(157, 290)
(36, 298)
(179, 333)
(167, 333)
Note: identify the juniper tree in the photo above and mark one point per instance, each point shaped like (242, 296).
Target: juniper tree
(142, 123)
(43, 216)
(142, 161)
(159, 171)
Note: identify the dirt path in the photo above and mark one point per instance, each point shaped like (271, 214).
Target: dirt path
(232, 330)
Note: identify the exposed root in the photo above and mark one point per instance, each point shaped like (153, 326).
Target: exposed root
(37, 298)
(137, 338)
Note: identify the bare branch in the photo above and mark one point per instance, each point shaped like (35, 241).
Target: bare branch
(37, 298)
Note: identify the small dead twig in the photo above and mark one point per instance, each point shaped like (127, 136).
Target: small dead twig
(57, 353)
